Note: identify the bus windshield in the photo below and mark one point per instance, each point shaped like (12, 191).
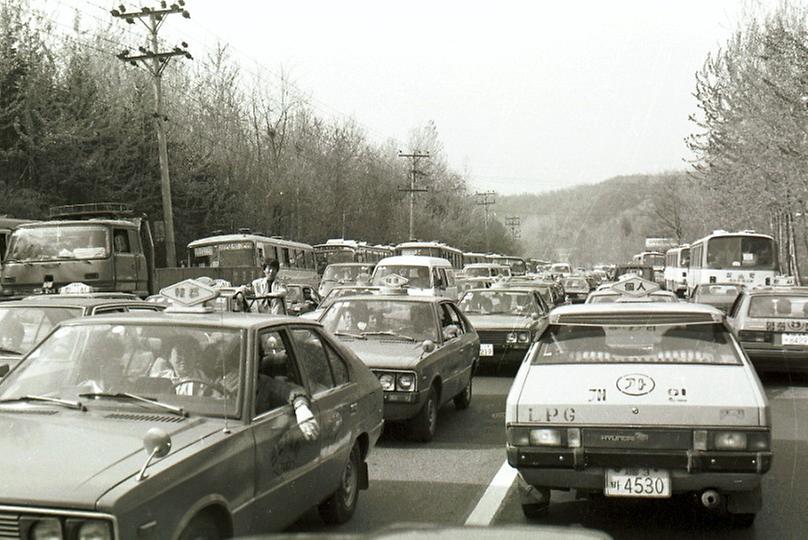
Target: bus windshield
(747, 252)
(654, 260)
(684, 258)
(59, 242)
(334, 256)
(422, 251)
(227, 254)
(517, 265)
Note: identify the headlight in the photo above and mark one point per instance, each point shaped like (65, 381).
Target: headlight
(388, 381)
(405, 382)
(523, 337)
(95, 530)
(730, 440)
(510, 337)
(545, 437)
(46, 529)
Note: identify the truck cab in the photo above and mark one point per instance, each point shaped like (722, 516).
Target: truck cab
(103, 245)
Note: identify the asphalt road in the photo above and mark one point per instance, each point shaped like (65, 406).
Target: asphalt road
(459, 478)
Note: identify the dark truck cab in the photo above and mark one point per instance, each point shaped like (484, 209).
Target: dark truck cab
(104, 245)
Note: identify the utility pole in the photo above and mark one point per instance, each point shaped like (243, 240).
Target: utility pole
(485, 199)
(514, 223)
(155, 62)
(412, 190)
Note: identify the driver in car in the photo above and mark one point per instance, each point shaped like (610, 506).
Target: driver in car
(181, 368)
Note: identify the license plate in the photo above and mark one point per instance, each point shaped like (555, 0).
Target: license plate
(486, 349)
(795, 339)
(638, 483)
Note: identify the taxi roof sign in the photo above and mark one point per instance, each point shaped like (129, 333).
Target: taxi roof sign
(76, 287)
(189, 293)
(394, 281)
(635, 286)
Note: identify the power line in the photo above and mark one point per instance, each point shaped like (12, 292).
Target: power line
(155, 62)
(412, 190)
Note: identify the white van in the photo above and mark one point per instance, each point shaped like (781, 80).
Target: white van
(426, 276)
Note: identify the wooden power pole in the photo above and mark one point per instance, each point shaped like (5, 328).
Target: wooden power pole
(486, 199)
(412, 190)
(155, 61)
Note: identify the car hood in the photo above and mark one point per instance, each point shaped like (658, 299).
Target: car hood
(69, 459)
(377, 353)
(500, 322)
(639, 394)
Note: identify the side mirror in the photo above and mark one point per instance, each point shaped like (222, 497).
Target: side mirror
(428, 346)
(157, 444)
(534, 316)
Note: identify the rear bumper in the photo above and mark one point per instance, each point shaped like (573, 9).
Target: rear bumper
(564, 468)
(771, 358)
(513, 353)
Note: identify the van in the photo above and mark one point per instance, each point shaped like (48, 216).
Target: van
(426, 276)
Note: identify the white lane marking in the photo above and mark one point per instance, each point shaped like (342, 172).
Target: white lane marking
(488, 505)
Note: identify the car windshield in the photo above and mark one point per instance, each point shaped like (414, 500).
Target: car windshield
(722, 294)
(575, 284)
(382, 318)
(478, 272)
(497, 301)
(613, 297)
(779, 307)
(22, 327)
(294, 294)
(706, 343)
(58, 242)
(345, 273)
(416, 276)
(198, 369)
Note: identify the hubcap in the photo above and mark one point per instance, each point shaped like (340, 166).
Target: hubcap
(349, 482)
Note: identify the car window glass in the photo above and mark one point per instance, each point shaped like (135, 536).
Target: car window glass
(22, 328)
(313, 359)
(456, 319)
(277, 377)
(338, 366)
(118, 309)
(120, 241)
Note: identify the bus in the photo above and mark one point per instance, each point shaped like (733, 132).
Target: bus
(517, 264)
(431, 249)
(742, 257)
(339, 250)
(238, 258)
(677, 260)
(651, 258)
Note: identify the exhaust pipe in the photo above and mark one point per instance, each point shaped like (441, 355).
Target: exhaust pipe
(710, 498)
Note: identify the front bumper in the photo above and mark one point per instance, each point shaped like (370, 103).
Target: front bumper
(402, 405)
(585, 469)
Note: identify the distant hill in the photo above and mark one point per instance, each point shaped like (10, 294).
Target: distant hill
(604, 222)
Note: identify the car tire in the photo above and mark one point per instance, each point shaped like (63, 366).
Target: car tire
(742, 520)
(535, 510)
(463, 399)
(422, 427)
(340, 506)
(201, 527)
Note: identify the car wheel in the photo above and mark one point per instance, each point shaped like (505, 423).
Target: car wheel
(535, 510)
(422, 427)
(463, 399)
(201, 527)
(340, 506)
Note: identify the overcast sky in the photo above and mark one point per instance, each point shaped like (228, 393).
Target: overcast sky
(526, 95)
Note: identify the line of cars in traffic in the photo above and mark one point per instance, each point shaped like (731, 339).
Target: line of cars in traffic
(615, 399)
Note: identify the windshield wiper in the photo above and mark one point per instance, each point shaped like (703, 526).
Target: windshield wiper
(348, 334)
(134, 397)
(3, 350)
(65, 402)
(388, 333)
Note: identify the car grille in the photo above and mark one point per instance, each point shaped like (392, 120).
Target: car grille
(645, 439)
(9, 525)
(492, 337)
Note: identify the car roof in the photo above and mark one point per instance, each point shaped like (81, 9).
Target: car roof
(638, 312)
(777, 291)
(351, 264)
(66, 300)
(526, 290)
(230, 320)
(401, 297)
(415, 260)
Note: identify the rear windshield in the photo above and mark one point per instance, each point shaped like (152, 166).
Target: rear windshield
(575, 284)
(779, 307)
(416, 276)
(716, 293)
(478, 272)
(708, 343)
